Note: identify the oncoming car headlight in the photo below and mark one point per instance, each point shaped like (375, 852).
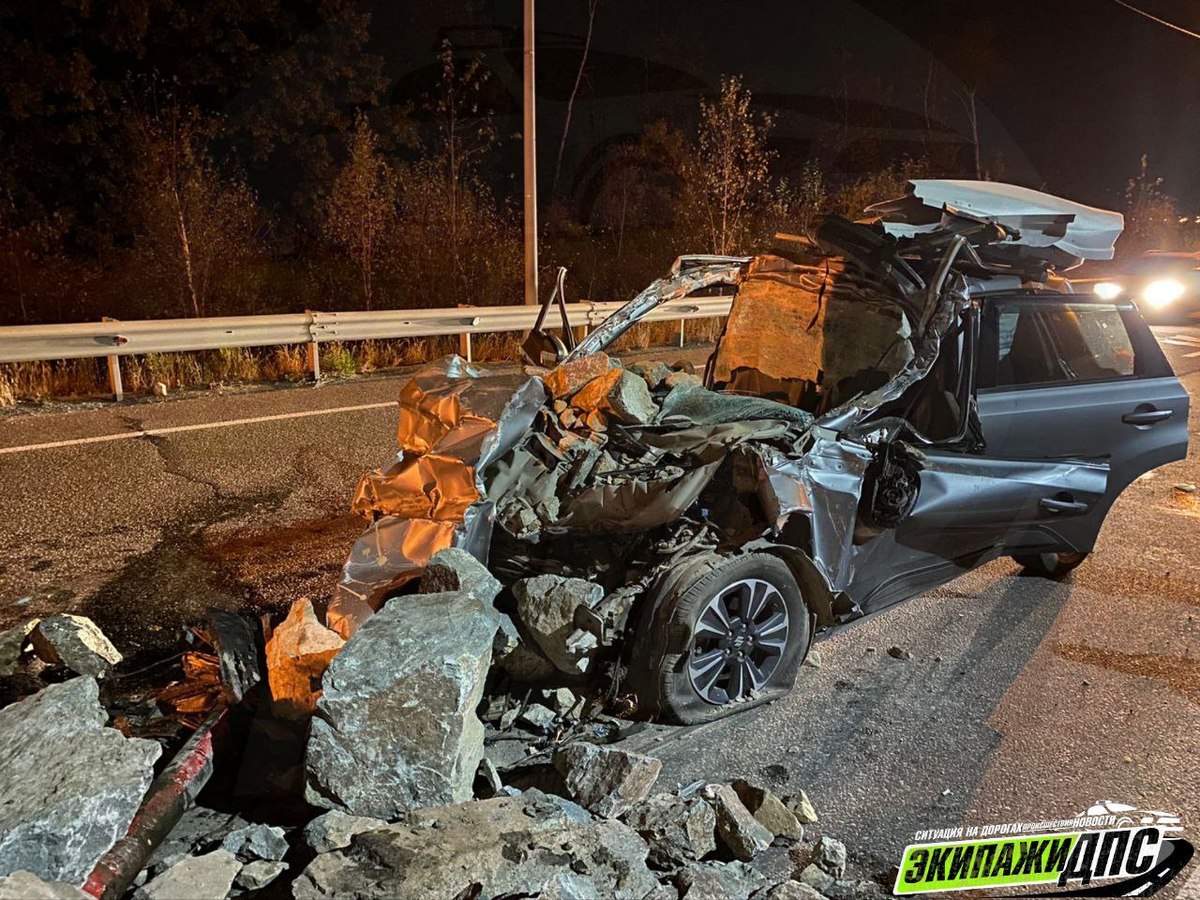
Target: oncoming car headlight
(1163, 292)
(1107, 290)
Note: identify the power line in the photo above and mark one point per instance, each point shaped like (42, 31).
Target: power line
(1171, 25)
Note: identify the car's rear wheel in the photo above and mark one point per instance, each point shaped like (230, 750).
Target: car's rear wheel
(1050, 565)
(736, 635)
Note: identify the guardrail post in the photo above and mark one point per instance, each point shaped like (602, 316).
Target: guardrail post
(312, 349)
(464, 339)
(114, 372)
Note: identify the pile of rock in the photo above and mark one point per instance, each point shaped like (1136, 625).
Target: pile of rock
(607, 834)
(74, 642)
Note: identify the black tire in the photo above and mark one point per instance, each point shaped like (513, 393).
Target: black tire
(1050, 565)
(667, 682)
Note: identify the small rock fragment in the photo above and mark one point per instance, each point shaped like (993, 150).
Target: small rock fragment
(802, 807)
(568, 378)
(22, 885)
(630, 400)
(813, 659)
(737, 829)
(266, 842)
(537, 717)
(677, 829)
(1186, 488)
(831, 856)
(794, 890)
(816, 878)
(605, 780)
(563, 699)
(75, 642)
(205, 877)
(899, 653)
(718, 881)
(335, 829)
(12, 644)
(160, 389)
(298, 654)
(259, 874)
(454, 569)
(677, 378)
(768, 810)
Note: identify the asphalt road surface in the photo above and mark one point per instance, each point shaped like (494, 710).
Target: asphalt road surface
(1023, 700)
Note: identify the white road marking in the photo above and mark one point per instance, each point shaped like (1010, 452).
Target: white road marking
(1184, 340)
(201, 426)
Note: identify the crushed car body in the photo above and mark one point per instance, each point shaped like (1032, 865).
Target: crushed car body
(887, 406)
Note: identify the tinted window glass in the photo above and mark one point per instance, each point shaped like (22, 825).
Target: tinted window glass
(1049, 343)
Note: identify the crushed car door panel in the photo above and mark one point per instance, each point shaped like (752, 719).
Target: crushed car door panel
(969, 507)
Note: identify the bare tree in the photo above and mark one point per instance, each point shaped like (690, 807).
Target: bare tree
(362, 205)
(562, 144)
(730, 169)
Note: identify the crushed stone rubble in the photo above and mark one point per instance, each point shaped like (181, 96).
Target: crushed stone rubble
(455, 738)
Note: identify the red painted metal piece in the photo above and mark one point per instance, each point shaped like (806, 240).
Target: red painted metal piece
(170, 795)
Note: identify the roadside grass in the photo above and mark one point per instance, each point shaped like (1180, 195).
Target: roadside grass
(88, 378)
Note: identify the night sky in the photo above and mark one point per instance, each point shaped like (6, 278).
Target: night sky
(1081, 88)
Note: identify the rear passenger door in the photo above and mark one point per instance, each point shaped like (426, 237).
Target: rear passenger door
(1065, 378)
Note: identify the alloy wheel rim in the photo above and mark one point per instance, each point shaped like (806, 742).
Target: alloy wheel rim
(738, 641)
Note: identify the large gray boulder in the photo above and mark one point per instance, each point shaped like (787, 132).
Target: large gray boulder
(395, 728)
(69, 787)
(546, 606)
(520, 846)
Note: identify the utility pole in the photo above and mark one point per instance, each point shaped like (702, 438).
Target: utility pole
(530, 144)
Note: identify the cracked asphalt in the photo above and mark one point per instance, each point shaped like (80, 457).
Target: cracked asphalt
(1024, 699)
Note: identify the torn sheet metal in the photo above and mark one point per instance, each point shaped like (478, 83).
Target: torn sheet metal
(683, 280)
(455, 420)
(802, 331)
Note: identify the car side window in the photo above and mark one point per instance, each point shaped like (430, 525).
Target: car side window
(1042, 343)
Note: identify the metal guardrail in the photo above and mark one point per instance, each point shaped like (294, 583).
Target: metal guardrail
(113, 339)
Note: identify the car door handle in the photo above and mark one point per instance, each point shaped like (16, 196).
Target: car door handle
(1055, 505)
(1147, 416)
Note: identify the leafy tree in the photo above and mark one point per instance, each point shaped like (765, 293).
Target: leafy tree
(197, 223)
(362, 205)
(730, 170)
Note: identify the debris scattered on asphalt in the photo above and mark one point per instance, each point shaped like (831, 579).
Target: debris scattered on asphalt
(768, 810)
(899, 653)
(75, 642)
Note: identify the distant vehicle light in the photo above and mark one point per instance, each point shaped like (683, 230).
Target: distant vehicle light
(1107, 290)
(1163, 292)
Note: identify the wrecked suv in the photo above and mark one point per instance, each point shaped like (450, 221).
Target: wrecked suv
(887, 407)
